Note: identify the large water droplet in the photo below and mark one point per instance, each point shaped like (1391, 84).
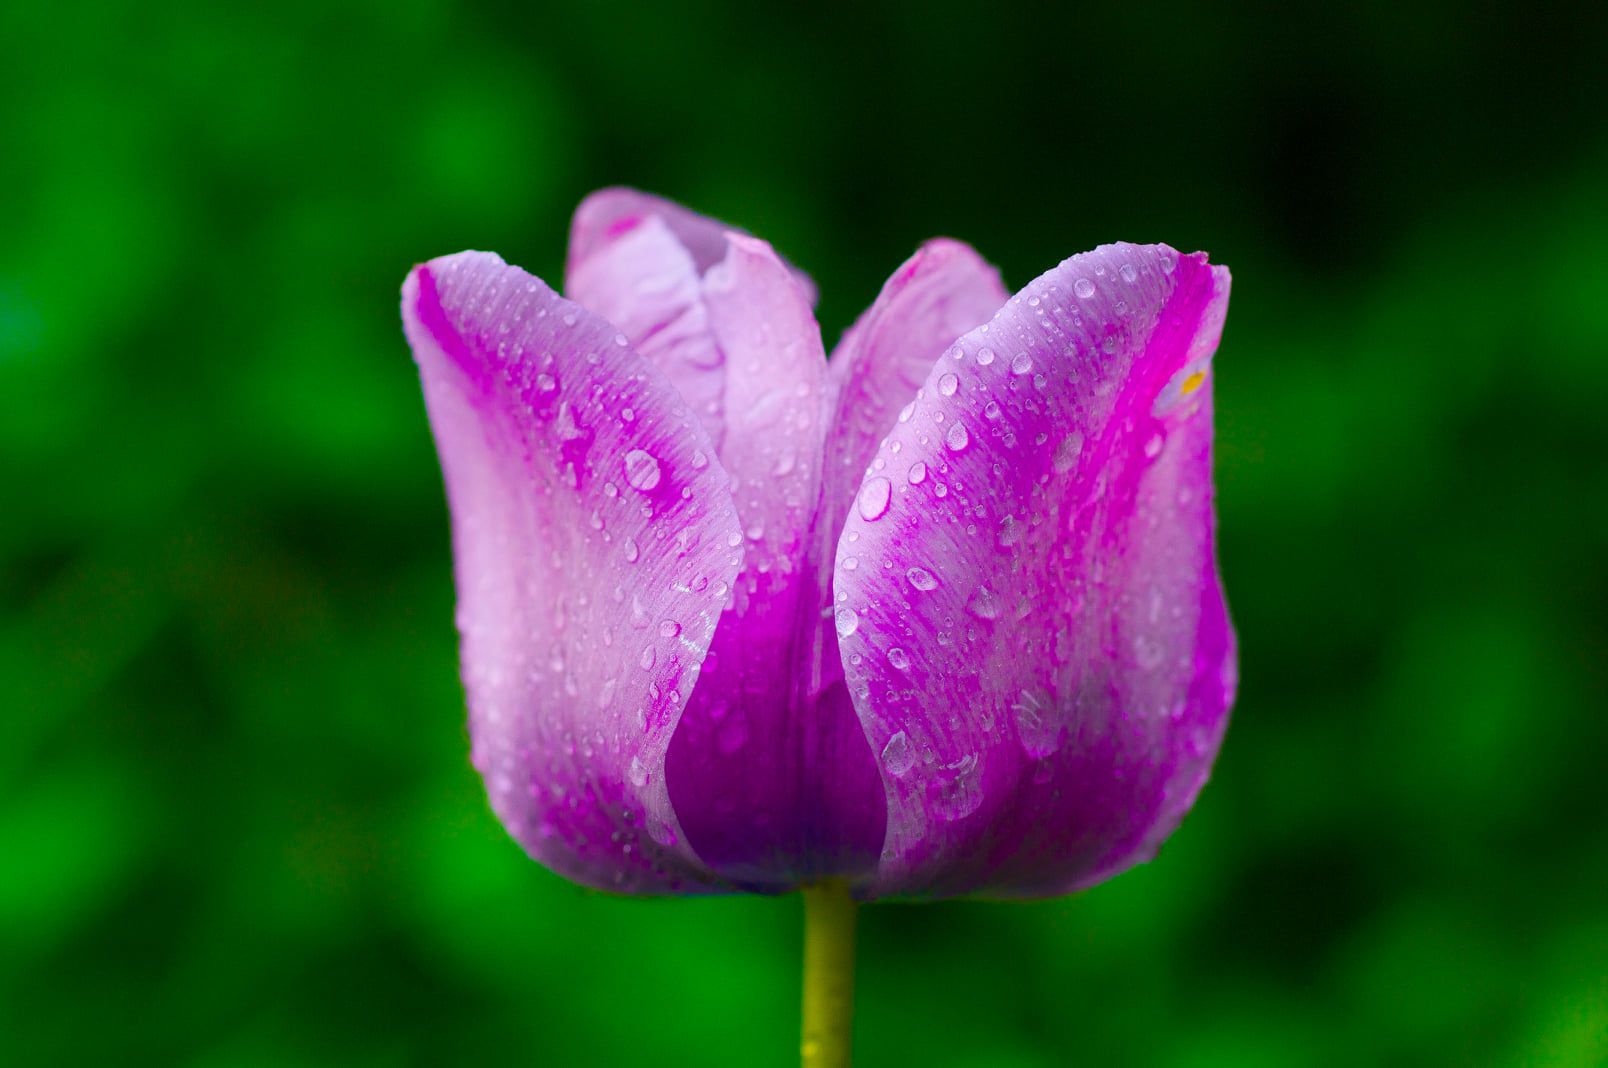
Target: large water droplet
(948, 384)
(1036, 727)
(1010, 531)
(1083, 288)
(1021, 363)
(958, 790)
(847, 621)
(875, 496)
(918, 472)
(669, 628)
(632, 553)
(1066, 453)
(985, 355)
(898, 756)
(638, 773)
(984, 603)
(957, 437)
(641, 470)
(921, 578)
(1128, 273)
(899, 658)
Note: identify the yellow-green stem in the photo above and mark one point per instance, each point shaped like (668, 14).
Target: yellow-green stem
(829, 915)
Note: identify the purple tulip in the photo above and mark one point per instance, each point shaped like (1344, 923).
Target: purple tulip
(938, 616)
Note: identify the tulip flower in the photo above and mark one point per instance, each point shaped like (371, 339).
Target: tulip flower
(938, 616)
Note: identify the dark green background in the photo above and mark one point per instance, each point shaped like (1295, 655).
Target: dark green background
(237, 821)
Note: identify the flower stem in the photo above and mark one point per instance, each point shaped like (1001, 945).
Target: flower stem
(829, 915)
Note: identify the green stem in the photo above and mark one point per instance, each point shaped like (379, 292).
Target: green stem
(829, 915)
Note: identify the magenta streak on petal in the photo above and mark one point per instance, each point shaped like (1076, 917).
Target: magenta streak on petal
(1043, 659)
(593, 551)
(769, 770)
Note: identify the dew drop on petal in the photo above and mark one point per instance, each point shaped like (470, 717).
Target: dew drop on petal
(957, 438)
(1066, 453)
(632, 553)
(898, 756)
(1021, 363)
(649, 658)
(641, 470)
(1128, 273)
(638, 773)
(875, 497)
(985, 355)
(899, 658)
(918, 471)
(1010, 531)
(669, 628)
(847, 621)
(984, 603)
(1083, 288)
(948, 384)
(921, 578)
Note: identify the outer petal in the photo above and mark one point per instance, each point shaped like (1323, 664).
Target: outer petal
(1041, 654)
(594, 538)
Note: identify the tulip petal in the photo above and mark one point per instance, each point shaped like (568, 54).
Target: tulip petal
(595, 541)
(935, 296)
(646, 281)
(1043, 659)
(770, 772)
(604, 215)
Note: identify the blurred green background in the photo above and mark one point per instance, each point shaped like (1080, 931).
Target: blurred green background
(237, 822)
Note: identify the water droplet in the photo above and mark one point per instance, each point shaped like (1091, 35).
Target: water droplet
(1066, 453)
(1153, 446)
(850, 563)
(641, 470)
(669, 628)
(898, 756)
(1021, 363)
(921, 578)
(649, 658)
(958, 792)
(899, 658)
(875, 497)
(985, 355)
(1010, 531)
(1128, 274)
(948, 384)
(847, 621)
(984, 603)
(638, 773)
(632, 553)
(918, 471)
(699, 460)
(546, 383)
(1037, 730)
(957, 437)
(1083, 288)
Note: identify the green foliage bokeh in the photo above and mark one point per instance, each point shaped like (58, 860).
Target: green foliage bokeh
(237, 822)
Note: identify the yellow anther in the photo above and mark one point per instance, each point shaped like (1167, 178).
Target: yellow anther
(1192, 383)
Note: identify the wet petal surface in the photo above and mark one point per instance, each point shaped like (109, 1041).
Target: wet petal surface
(595, 542)
(1041, 655)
